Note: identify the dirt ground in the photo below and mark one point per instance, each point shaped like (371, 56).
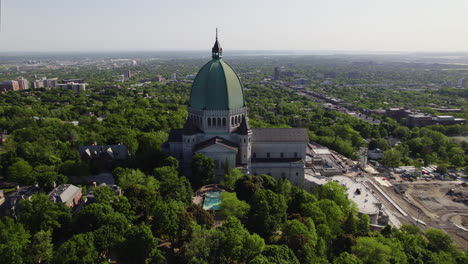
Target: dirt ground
(428, 205)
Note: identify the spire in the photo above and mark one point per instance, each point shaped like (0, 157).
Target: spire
(244, 127)
(217, 51)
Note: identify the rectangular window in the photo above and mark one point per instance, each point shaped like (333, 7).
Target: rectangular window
(295, 154)
(216, 162)
(268, 154)
(282, 155)
(254, 155)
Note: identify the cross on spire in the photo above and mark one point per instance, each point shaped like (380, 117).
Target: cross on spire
(217, 51)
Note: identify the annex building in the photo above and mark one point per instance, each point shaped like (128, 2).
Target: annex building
(218, 126)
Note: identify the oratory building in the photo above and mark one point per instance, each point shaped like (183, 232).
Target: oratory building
(217, 126)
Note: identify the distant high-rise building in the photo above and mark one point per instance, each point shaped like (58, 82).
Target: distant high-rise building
(134, 63)
(45, 83)
(276, 75)
(462, 82)
(9, 86)
(127, 74)
(50, 83)
(23, 84)
(72, 81)
(302, 81)
(159, 78)
(38, 84)
(174, 76)
(330, 75)
(73, 86)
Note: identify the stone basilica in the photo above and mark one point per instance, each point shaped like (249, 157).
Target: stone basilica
(218, 126)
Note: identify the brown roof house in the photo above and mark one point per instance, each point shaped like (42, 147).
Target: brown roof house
(68, 194)
(104, 157)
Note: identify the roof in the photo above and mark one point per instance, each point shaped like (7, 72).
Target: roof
(117, 152)
(64, 193)
(217, 87)
(216, 141)
(244, 127)
(276, 160)
(321, 151)
(279, 135)
(175, 135)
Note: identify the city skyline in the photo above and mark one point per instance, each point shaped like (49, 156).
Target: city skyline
(358, 25)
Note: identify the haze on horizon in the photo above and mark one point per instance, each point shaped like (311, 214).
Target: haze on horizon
(149, 25)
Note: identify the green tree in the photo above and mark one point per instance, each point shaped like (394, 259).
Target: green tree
(47, 177)
(149, 153)
(74, 168)
(238, 245)
(204, 246)
(231, 177)
(439, 240)
(379, 143)
(442, 168)
(14, 240)
(301, 238)
(350, 224)
(40, 213)
(363, 225)
(337, 193)
(370, 251)
(20, 172)
(77, 250)
(401, 132)
(333, 214)
(231, 206)
(167, 219)
(391, 158)
(128, 177)
(172, 186)
(246, 186)
(97, 215)
(201, 216)
(276, 254)
(140, 246)
(346, 258)
(267, 212)
(42, 250)
(202, 169)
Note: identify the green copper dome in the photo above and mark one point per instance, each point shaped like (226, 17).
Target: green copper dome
(217, 86)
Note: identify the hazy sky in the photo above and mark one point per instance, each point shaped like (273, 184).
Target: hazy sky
(362, 25)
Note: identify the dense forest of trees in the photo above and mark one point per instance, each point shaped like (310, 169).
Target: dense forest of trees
(155, 221)
(271, 222)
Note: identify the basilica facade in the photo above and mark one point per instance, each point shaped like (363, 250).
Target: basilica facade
(218, 126)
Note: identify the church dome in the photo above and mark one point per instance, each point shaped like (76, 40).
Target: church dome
(217, 86)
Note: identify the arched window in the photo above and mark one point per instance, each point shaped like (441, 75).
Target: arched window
(236, 121)
(209, 121)
(214, 121)
(224, 121)
(219, 121)
(232, 120)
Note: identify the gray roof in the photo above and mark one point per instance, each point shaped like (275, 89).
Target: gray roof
(217, 141)
(116, 152)
(64, 193)
(279, 135)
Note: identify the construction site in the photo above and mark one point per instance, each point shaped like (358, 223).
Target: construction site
(435, 203)
(401, 196)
